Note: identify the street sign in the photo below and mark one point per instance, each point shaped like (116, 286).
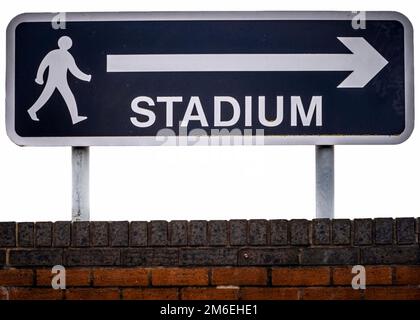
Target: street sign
(323, 78)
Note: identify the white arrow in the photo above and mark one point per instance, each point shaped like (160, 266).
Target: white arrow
(364, 62)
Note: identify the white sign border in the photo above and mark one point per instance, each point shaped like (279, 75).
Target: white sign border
(173, 16)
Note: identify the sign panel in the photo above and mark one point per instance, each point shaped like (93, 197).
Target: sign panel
(81, 79)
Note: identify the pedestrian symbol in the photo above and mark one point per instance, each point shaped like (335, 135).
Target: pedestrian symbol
(58, 62)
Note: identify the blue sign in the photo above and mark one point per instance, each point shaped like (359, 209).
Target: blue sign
(162, 78)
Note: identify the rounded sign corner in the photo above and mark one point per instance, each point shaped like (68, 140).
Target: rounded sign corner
(406, 133)
(14, 136)
(15, 21)
(403, 19)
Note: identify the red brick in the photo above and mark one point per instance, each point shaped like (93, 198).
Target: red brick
(328, 293)
(120, 277)
(93, 294)
(180, 277)
(254, 293)
(209, 293)
(239, 276)
(4, 294)
(150, 294)
(407, 275)
(392, 293)
(375, 275)
(301, 276)
(74, 277)
(16, 277)
(35, 294)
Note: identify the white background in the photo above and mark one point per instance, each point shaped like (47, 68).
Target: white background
(145, 183)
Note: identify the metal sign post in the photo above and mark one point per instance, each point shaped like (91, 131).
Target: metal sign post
(80, 183)
(324, 181)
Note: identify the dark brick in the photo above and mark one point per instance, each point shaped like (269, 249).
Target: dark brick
(62, 234)
(270, 256)
(26, 234)
(299, 232)
(2, 257)
(329, 256)
(150, 257)
(158, 233)
(43, 234)
(217, 233)
(278, 231)
(213, 256)
(99, 234)
(341, 231)
(92, 257)
(178, 233)
(197, 233)
(384, 230)
(321, 231)
(138, 233)
(258, 232)
(418, 231)
(390, 255)
(406, 230)
(118, 233)
(80, 234)
(35, 257)
(238, 232)
(7, 234)
(362, 231)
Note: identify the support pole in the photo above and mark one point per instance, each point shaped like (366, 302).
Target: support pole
(80, 183)
(324, 181)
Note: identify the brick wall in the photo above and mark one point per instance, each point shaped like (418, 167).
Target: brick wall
(237, 259)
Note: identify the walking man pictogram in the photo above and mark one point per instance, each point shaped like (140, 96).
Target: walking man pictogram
(58, 62)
